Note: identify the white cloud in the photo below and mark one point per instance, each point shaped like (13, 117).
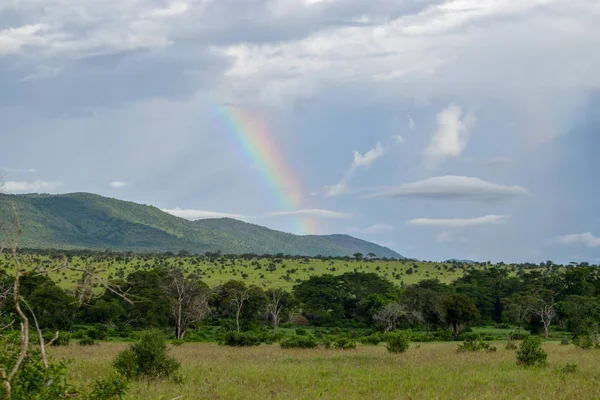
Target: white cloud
(454, 188)
(32, 187)
(398, 139)
(585, 239)
(316, 213)
(451, 136)
(450, 237)
(18, 170)
(13, 40)
(458, 222)
(200, 214)
(367, 159)
(411, 123)
(118, 184)
(371, 230)
(175, 8)
(359, 161)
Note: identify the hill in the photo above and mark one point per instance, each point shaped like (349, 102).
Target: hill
(89, 221)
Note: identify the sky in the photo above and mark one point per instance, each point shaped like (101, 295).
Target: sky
(442, 129)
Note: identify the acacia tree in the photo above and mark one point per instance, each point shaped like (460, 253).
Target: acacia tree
(460, 311)
(188, 300)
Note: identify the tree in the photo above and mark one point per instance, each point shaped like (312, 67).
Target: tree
(518, 309)
(278, 300)
(545, 308)
(460, 311)
(581, 313)
(188, 300)
(393, 313)
(358, 256)
(426, 302)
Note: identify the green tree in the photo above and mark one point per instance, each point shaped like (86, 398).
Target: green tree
(460, 311)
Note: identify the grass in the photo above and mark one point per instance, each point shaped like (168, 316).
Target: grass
(429, 371)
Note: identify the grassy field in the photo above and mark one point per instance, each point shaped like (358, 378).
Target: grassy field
(260, 272)
(428, 371)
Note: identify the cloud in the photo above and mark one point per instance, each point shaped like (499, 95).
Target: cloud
(17, 170)
(29, 187)
(411, 123)
(585, 239)
(371, 230)
(200, 214)
(367, 159)
(398, 139)
(118, 184)
(449, 237)
(454, 188)
(316, 213)
(359, 161)
(13, 40)
(451, 136)
(457, 222)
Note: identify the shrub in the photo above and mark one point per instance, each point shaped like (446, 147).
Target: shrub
(569, 368)
(147, 358)
(373, 339)
(301, 332)
(344, 343)
(87, 341)
(98, 332)
(444, 335)
(79, 334)
(584, 342)
(177, 342)
(63, 339)
(397, 342)
(475, 345)
(511, 345)
(565, 341)
(531, 353)
(110, 388)
(299, 342)
(241, 339)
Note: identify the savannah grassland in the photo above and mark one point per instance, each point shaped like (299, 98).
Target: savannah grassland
(428, 371)
(263, 272)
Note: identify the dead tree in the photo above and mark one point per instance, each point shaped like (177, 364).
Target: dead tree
(188, 300)
(237, 301)
(275, 306)
(9, 242)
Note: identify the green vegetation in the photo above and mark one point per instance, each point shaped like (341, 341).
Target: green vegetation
(88, 221)
(434, 370)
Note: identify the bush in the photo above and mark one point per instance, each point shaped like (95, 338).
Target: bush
(584, 342)
(79, 334)
(397, 342)
(343, 343)
(511, 345)
(569, 368)
(63, 339)
(373, 339)
(475, 345)
(98, 332)
(241, 339)
(301, 332)
(531, 353)
(87, 341)
(444, 335)
(565, 341)
(299, 342)
(177, 342)
(147, 358)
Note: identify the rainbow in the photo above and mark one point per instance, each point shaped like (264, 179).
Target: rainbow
(260, 147)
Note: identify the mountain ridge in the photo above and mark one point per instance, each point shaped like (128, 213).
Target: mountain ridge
(89, 221)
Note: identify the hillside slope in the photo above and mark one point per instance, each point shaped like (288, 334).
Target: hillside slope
(88, 221)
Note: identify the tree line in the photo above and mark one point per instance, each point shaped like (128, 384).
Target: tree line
(167, 298)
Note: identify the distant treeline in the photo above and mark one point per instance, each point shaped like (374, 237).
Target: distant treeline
(534, 297)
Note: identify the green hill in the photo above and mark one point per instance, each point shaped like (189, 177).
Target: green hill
(88, 221)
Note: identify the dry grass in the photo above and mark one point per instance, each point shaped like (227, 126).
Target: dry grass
(432, 371)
